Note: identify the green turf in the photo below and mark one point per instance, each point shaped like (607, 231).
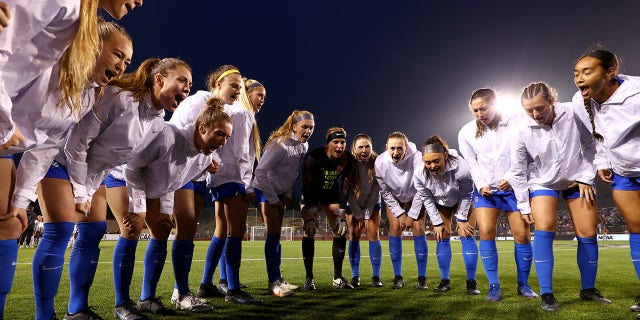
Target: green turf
(616, 280)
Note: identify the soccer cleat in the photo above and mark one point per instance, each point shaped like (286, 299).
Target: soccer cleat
(495, 293)
(279, 289)
(208, 291)
(342, 283)
(398, 283)
(309, 284)
(422, 283)
(241, 297)
(189, 302)
(444, 286)
(593, 294)
(287, 284)
(223, 287)
(176, 295)
(243, 286)
(525, 290)
(86, 314)
(472, 287)
(636, 307)
(127, 311)
(355, 283)
(548, 302)
(376, 282)
(155, 305)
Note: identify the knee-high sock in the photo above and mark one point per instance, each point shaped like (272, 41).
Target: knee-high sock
(375, 255)
(543, 258)
(395, 252)
(223, 264)
(308, 251)
(83, 263)
(48, 263)
(214, 252)
(634, 246)
(354, 257)
(523, 254)
(8, 260)
(470, 256)
(182, 255)
(337, 251)
(489, 256)
(588, 261)
(124, 259)
(154, 259)
(443, 252)
(422, 253)
(233, 255)
(272, 256)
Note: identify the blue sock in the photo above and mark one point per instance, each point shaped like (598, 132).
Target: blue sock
(48, 262)
(223, 264)
(354, 257)
(470, 256)
(588, 261)
(443, 253)
(489, 256)
(8, 260)
(375, 255)
(154, 259)
(523, 253)
(272, 256)
(83, 263)
(543, 258)
(211, 261)
(124, 259)
(181, 256)
(395, 252)
(634, 246)
(422, 253)
(233, 253)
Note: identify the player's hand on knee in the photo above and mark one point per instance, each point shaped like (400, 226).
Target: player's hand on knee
(527, 218)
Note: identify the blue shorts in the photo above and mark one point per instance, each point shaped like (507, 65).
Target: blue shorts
(573, 193)
(58, 171)
(111, 182)
(260, 197)
(503, 200)
(7, 157)
(227, 190)
(199, 187)
(625, 184)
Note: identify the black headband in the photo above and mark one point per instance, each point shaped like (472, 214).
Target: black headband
(337, 135)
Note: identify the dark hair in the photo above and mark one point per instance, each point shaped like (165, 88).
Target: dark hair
(485, 93)
(139, 82)
(213, 76)
(370, 164)
(437, 140)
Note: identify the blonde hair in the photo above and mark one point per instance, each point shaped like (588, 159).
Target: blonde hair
(370, 164)
(108, 28)
(213, 112)
(484, 93)
(398, 135)
(78, 61)
(139, 82)
(286, 128)
(250, 85)
(539, 88)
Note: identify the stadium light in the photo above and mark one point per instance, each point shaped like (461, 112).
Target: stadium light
(508, 103)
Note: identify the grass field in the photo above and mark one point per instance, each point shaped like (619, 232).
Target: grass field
(616, 279)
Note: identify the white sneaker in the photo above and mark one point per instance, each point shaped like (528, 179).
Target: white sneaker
(279, 290)
(189, 302)
(287, 284)
(175, 296)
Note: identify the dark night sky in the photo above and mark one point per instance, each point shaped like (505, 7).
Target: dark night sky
(381, 66)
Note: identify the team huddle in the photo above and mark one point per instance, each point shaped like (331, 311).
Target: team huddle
(93, 136)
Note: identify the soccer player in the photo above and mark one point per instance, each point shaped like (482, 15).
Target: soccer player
(485, 143)
(326, 175)
(363, 211)
(553, 157)
(273, 185)
(611, 101)
(444, 185)
(394, 171)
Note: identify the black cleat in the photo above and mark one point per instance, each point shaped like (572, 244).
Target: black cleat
(636, 307)
(155, 305)
(376, 282)
(309, 284)
(342, 283)
(208, 291)
(241, 297)
(472, 287)
(444, 286)
(355, 283)
(548, 302)
(398, 283)
(593, 294)
(128, 311)
(86, 314)
(422, 283)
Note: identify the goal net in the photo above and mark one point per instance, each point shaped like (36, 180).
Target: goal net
(259, 233)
